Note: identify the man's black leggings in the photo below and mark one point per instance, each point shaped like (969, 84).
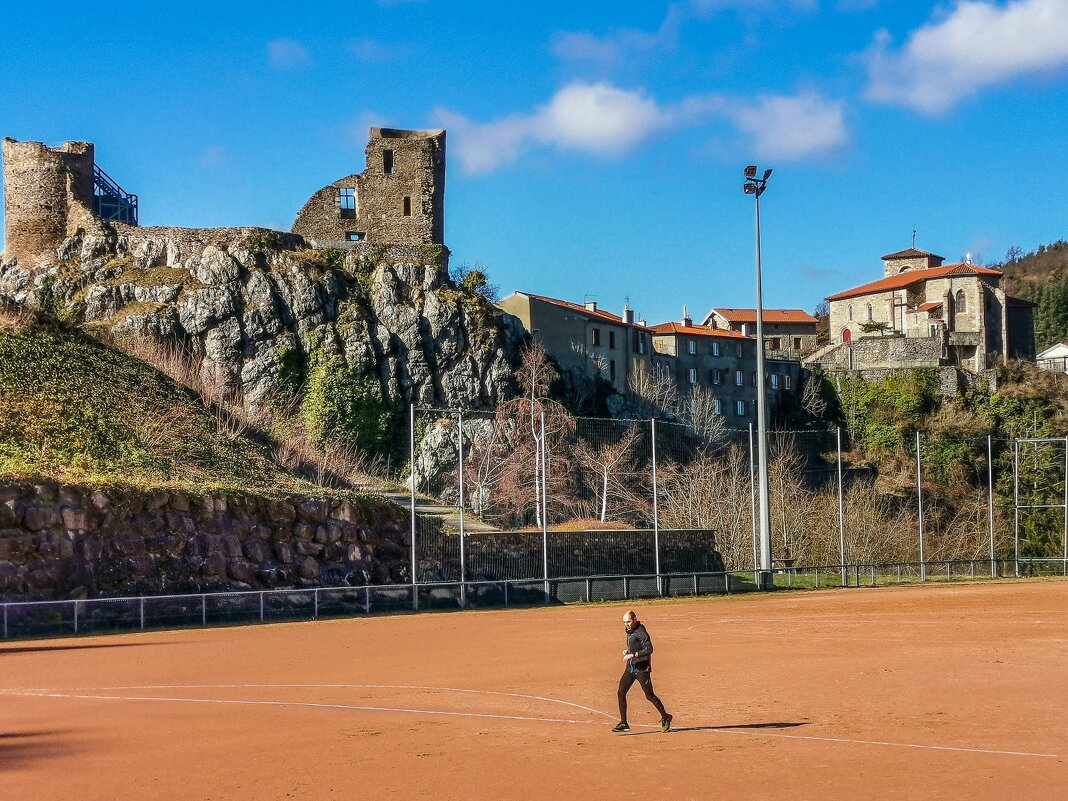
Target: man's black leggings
(645, 679)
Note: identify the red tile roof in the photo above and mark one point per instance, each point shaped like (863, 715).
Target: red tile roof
(911, 277)
(925, 307)
(594, 314)
(770, 316)
(911, 253)
(697, 331)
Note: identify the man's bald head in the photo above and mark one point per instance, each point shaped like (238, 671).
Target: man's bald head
(630, 620)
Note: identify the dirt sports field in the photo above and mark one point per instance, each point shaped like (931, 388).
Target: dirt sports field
(953, 691)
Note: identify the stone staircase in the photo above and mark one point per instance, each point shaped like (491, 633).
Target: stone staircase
(448, 516)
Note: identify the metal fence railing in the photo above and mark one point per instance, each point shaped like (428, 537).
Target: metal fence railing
(112, 615)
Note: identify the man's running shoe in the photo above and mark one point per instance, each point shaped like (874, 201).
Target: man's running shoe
(622, 727)
(665, 724)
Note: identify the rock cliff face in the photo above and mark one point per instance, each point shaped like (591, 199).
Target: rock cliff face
(259, 309)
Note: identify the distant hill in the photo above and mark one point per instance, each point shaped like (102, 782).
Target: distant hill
(1041, 277)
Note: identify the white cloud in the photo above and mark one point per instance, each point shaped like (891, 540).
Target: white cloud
(977, 44)
(621, 46)
(608, 121)
(286, 53)
(791, 127)
(371, 50)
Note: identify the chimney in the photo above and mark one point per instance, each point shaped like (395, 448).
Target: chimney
(643, 323)
(686, 321)
(591, 305)
(628, 314)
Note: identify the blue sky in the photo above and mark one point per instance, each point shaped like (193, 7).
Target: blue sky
(594, 148)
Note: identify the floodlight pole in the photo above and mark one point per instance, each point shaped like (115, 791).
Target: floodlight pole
(756, 186)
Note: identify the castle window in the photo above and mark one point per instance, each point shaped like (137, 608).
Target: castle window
(346, 198)
(355, 236)
(961, 302)
(869, 312)
(851, 313)
(407, 206)
(387, 162)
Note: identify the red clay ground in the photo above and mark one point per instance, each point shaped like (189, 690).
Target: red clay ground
(953, 691)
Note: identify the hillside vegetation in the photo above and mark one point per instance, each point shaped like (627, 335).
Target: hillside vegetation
(75, 409)
(1041, 277)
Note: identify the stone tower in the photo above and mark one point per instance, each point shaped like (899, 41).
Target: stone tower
(398, 199)
(48, 196)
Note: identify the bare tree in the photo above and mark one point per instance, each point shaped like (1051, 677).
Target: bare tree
(652, 393)
(701, 417)
(611, 461)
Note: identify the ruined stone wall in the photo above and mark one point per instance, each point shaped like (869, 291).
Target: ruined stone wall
(398, 199)
(889, 352)
(59, 541)
(48, 196)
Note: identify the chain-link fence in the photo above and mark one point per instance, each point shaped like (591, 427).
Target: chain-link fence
(538, 469)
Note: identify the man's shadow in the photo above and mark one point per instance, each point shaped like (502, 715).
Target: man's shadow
(728, 727)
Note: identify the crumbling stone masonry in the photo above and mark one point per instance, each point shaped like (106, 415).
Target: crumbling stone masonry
(398, 199)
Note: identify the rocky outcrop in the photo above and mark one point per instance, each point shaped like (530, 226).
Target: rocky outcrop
(59, 541)
(252, 304)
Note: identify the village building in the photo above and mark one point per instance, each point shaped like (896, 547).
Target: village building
(583, 339)
(926, 314)
(788, 332)
(723, 361)
(1055, 357)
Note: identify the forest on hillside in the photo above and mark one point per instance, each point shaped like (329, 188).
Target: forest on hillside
(1041, 277)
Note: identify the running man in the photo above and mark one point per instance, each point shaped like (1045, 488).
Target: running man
(638, 659)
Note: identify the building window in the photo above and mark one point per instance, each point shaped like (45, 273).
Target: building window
(715, 349)
(738, 350)
(934, 330)
(752, 378)
(739, 378)
(797, 343)
(387, 162)
(961, 302)
(346, 198)
(787, 382)
(639, 342)
(612, 340)
(536, 333)
(692, 347)
(739, 408)
(774, 380)
(868, 312)
(355, 236)
(775, 343)
(612, 369)
(693, 375)
(717, 375)
(407, 206)
(717, 406)
(850, 313)
(596, 336)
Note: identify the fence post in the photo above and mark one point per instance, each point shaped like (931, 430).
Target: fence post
(841, 510)
(261, 607)
(588, 591)
(75, 617)
(544, 522)
(315, 604)
(411, 478)
(656, 516)
(1016, 506)
(990, 499)
(142, 605)
(919, 501)
(203, 610)
(5, 621)
(367, 600)
(463, 556)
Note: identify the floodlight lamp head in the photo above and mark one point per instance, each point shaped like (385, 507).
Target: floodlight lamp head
(750, 189)
(750, 171)
(767, 174)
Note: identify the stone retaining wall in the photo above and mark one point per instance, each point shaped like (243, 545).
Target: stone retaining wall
(59, 541)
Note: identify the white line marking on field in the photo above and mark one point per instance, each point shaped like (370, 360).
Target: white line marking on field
(82, 695)
(345, 687)
(295, 703)
(879, 742)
